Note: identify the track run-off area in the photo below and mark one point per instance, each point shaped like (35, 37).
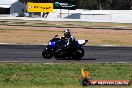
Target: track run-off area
(93, 54)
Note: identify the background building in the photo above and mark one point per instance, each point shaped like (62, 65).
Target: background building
(12, 7)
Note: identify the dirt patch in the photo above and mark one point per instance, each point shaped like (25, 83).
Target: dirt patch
(41, 35)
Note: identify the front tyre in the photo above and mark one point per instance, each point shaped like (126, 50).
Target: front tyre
(47, 54)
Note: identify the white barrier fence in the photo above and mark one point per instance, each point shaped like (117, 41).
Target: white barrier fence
(119, 16)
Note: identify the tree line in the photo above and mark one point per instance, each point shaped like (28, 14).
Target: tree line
(96, 4)
(104, 4)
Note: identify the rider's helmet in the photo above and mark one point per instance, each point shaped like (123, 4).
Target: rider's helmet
(67, 33)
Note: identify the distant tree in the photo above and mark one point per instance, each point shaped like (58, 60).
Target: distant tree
(121, 4)
(87, 4)
(105, 4)
(130, 3)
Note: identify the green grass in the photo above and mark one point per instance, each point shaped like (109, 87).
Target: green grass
(60, 75)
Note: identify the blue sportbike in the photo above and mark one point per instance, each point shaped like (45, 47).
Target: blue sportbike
(56, 48)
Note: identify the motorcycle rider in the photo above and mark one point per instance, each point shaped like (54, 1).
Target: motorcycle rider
(69, 39)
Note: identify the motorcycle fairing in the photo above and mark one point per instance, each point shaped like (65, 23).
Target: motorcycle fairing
(51, 44)
(81, 42)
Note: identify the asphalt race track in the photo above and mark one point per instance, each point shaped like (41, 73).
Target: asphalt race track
(95, 54)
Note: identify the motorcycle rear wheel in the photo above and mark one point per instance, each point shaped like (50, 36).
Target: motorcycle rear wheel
(79, 54)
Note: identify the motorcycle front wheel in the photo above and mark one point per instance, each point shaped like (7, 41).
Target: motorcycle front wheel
(47, 54)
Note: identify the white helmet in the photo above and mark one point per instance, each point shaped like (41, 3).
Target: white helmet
(67, 33)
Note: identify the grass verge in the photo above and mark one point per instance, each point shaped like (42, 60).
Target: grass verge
(60, 75)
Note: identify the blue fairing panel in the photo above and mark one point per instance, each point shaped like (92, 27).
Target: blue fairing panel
(51, 44)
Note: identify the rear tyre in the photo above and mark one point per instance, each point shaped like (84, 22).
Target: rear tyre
(47, 54)
(79, 54)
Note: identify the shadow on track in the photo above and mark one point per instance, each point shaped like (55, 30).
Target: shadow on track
(74, 59)
(88, 59)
